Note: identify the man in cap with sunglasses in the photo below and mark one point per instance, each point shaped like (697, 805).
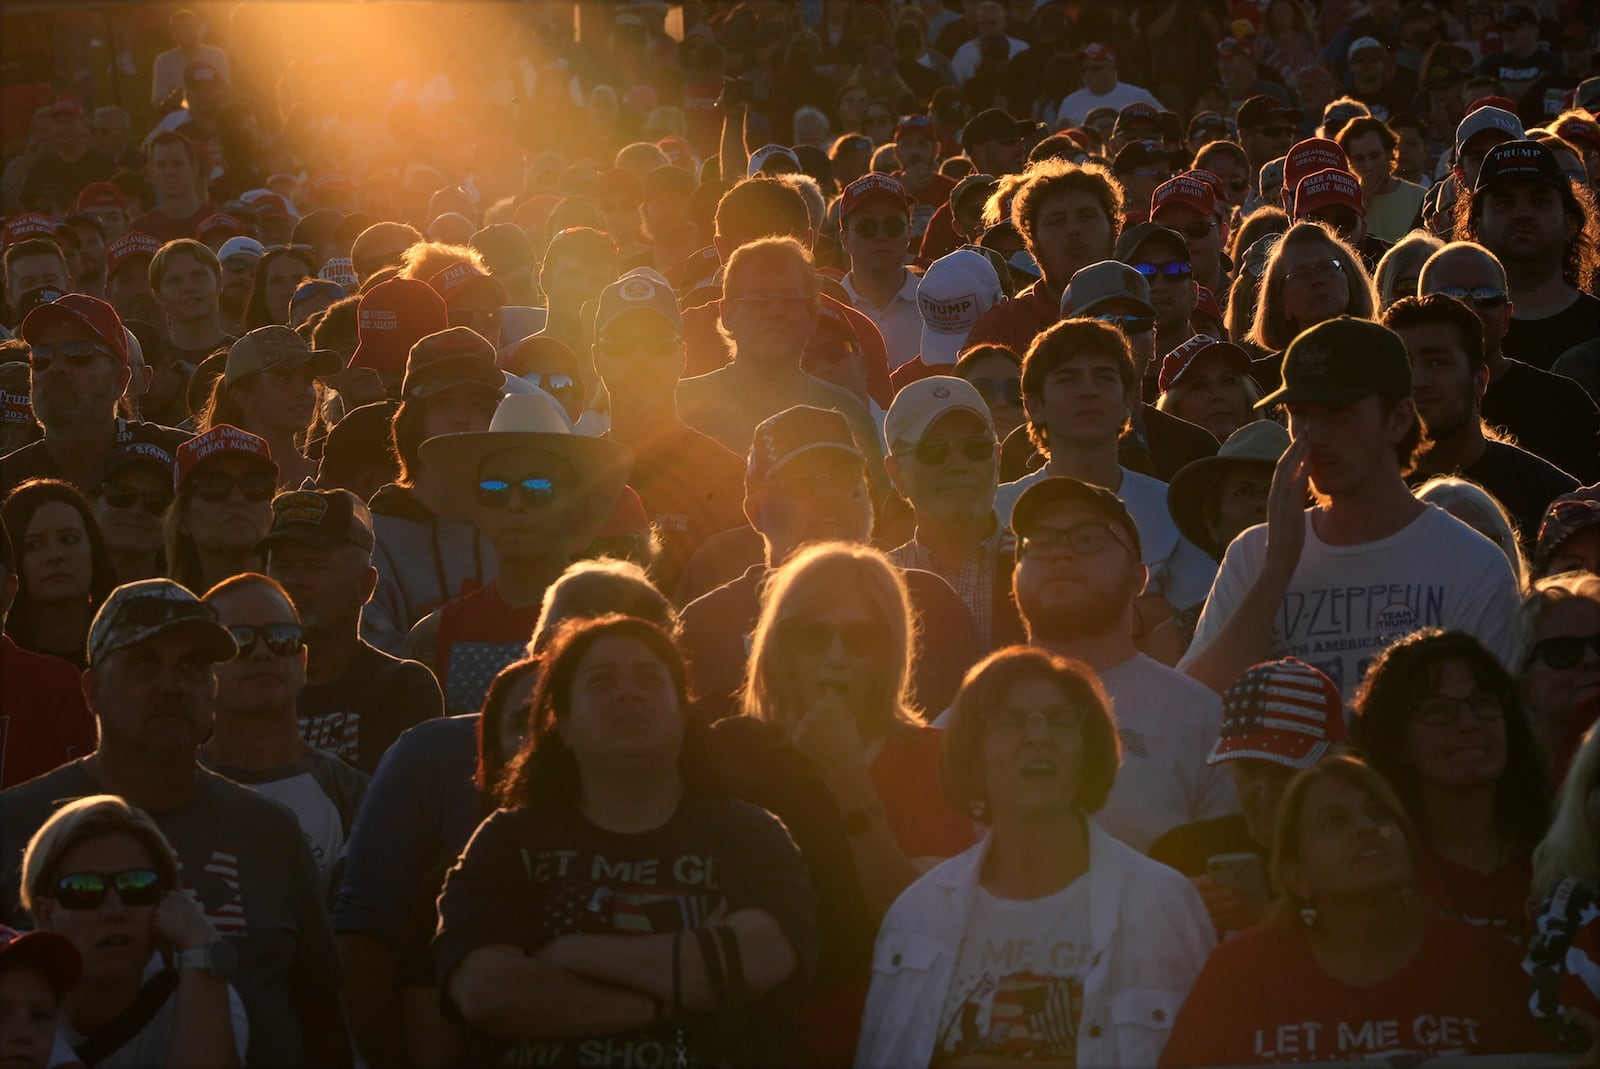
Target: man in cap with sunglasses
(1161, 255)
(540, 494)
(79, 361)
(256, 738)
(130, 495)
(944, 459)
(151, 684)
(875, 230)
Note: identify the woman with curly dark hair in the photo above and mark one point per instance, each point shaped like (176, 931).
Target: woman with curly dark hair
(64, 570)
(1440, 718)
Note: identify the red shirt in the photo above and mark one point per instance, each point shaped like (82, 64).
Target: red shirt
(1015, 323)
(158, 224)
(1263, 999)
(906, 776)
(914, 370)
(44, 721)
(1497, 900)
(940, 239)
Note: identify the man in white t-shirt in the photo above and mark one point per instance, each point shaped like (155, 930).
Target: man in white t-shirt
(1077, 574)
(1368, 563)
(1101, 89)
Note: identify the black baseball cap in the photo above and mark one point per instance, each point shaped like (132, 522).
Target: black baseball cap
(1058, 489)
(1520, 161)
(1141, 154)
(993, 125)
(1262, 109)
(800, 429)
(326, 519)
(1342, 360)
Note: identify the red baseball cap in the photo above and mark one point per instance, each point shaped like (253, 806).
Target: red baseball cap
(1206, 305)
(462, 280)
(868, 186)
(83, 310)
(1332, 188)
(223, 438)
(100, 195)
(1097, 53)
(26, 226)
(391, 318)
(1310, 156)
(53, 952)
(1186, 189)
(133, 243)
(222, 221)
(1181, 359)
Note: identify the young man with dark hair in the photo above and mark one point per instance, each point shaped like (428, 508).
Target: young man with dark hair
(174, 171)
(1336, 583)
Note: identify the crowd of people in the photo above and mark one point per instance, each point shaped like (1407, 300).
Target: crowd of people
(805, 532)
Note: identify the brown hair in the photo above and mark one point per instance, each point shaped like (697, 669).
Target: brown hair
(1272, 329)
(1059, 345)
(1046, 178)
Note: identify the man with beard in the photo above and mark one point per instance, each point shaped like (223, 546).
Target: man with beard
(128, 278)
(79, 362)
(187, 281)
(1076, 578)
(806, 482)
(1545, 412)
(1524, 210)
(1162, 256)
(1445, 342)
(151, 685)
(357, 699)
(238, 257)
(1336, 583)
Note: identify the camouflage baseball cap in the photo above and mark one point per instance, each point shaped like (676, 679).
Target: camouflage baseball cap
(142, 610)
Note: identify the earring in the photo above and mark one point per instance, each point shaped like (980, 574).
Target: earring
(1308, 915)
(979, 809)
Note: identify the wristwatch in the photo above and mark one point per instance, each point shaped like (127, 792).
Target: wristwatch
(219, 958)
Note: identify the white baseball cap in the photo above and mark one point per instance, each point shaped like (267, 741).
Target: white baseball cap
(956, 290)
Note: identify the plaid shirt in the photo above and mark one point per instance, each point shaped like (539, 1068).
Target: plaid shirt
(972, 577)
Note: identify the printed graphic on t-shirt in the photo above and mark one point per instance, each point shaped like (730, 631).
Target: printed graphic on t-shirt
(1022, 1013)
(1415, 1039)
(1322, 626)
(216, 886)
(339, 733)
(472, 667)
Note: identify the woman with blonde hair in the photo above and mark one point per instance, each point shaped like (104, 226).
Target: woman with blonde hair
(1557, 663)
(1397, 272)
(1566, 897)
(154, 989)
(1481, 511)
(1311, 275)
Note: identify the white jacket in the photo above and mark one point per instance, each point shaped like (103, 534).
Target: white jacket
(1148, 927)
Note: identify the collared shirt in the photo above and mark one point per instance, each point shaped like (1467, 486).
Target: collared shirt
(899, 322)
(972, 577)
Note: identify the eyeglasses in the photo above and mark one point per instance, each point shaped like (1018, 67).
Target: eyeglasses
(283, 640)
(1482, 296)
(762, 301)
(1565, 651)
(122, 496)
(996, 390)
(535, 492)
(1320, 269)
(868, 229)
(1128, 322)
(215, 487)
(814, 638)
(844, 479)
(556, 385)
(1175, 271)
(76, 353)
(1440, 709)
(1011, 723)
(935, 451)
(86, 890)
(1084, 540)
(1342, 220)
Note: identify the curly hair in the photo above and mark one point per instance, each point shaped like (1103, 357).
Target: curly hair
(1046, 178)
(1580, 263)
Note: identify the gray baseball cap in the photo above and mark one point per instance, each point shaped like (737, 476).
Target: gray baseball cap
(137, 611)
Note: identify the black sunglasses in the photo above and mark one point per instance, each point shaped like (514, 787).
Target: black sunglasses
(556, 385)
(1128, 322)
(75, 352)
(1176, 271)
(815, 638)
(1565, 651)
(935, 451)
(993, 390)
(283, 640)
(86, 890)
(213, 486)
(122, 496)
(535, 492)
(1482, 296)
(890, 228)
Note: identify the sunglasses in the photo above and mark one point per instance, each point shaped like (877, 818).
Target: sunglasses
(86, 890)
(1565, 651)
(534, 492)
(996, 390)
(556, 385)
(215, 487)
(121, 496)
(1176, 271)
(892, 227)
(935, 451)
(815, 638)
(843, 479)
(283, 640)
(1199, 228)
(76, 353)
(1482, 296)
(1128, 322)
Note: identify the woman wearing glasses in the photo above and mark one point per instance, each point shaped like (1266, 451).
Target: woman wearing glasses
(829, 743)
(1558, 654)
(155, 985)
(1311, 275)
(223, 507)
(63, 569)
(1049, 939)
(269, 387)
(1439, 718)
(1207, 382)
